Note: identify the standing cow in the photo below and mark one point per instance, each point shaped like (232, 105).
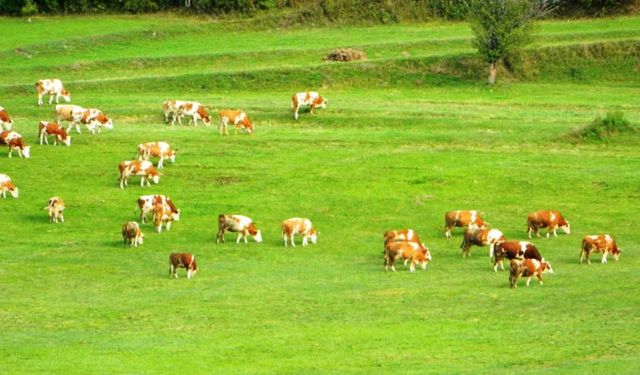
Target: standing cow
(194, 110)
(163, 213)
(160, 150)
(237, 223)
(601, 243)
(55, 207)
(416, 253)
(46, 128)
(52, 87)
(146, 203)
(15, 142)
(514, 250)
(461, 218)
(480, 237)
(238, 118)
(527, 268)
(131, 234)
(310, 98)
(550, 219)
(5, 120)
(144, 169)
(296, 225)
(182, 260)
(171, 107)
(7, 185)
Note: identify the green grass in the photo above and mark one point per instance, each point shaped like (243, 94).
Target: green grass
(386, 153)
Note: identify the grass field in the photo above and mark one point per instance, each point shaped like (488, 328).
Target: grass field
(388, 152)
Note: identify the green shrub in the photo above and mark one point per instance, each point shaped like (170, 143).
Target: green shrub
(604, 129)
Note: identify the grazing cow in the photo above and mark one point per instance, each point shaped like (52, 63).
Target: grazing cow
(164, 213)
(416, 253)
(52, 87)
(7, 185)
(182, 260)
(55, 207)
(461, 219)
(144, 169)
(238, 118)
(71, 113)
(547, 219)
(160, 150)
(237, 223)
(59, 133)
(15, 142)
(480, 237)
(131, 234)
(94, 120)
(514, 250)
(171, 107)
(527, 268)
(311, 99)
(601, 243)
(296, 225)
(5, 120)
(194, 110)
(146, 203)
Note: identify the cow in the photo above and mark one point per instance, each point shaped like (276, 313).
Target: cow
(94, 120)
(7, 185)
(550, 219)
(146, 203)
(462, 219)
(527, 268)
(55, 207)
(5, 120)
(310, 98)
(144, 169)
(514, 250)
(46, 128)
(52, 87)
(15, 142)
(416, 253)
(171, 107)
(238, 118)
(182, 260)
(131, 234)
(164, 213)
(194, 110)
(480, 237)
(296, 225)
(71, 113)
(160, 150)
(601, 243)
(237, 223)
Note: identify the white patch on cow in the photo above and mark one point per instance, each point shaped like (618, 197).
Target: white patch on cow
(474, 217)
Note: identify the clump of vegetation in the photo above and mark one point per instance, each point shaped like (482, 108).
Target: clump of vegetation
(345, 54)
(604, 129)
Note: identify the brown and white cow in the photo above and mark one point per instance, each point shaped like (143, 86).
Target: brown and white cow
(238, 118)
(71, 113)
(171, 107)
(94, 119)
(144, 169)
(514, 250)
(15, 142)
(52, 87)
(7, 185)
(416, 253)
(182, 260)
(46, 128)
(5, 120)
(601, 243)
(131, 234)
(527, 268)
(160, 150)
(237, 223)
(194, 110)
(296, 225)
(461, 218)
(480, 237)
(55, 207)
(310, 98)
(550, 219)
(146, 203)
(164, 213)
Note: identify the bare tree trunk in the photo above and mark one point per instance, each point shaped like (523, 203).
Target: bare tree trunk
(492, 74)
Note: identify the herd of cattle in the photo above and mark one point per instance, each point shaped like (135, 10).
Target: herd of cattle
(525, 259)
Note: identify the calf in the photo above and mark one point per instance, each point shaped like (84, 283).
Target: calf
(514, 250)
(5, 120)
(146, 203)
(311, 99)
(461, 219)
(15, 142)
(55, 207)
(238, 118)
(237, 223)
(296, 225)
(7, 185)
(601, 243)
(171, 107)
(160, 150)
(547, 219)
(52, 87)
(144, 169)
(131, 234)
(480, 237)
(46, 128)
(182, 260)
(194, 110)
(416, 253)
(163, 213)
(71, 113)
(527, 268)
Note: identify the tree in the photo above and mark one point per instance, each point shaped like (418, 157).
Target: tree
(503, 27)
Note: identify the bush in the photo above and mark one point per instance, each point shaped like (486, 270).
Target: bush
(603, 129)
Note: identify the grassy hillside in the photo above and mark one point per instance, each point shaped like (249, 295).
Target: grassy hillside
(407, 135)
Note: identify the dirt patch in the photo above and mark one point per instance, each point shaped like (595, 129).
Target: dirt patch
(345, 54)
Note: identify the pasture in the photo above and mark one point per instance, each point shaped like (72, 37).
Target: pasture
(396, 148)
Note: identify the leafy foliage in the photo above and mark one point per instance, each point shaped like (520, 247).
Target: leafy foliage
(604, 129)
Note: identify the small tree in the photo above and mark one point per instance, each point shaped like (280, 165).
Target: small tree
(503, 27)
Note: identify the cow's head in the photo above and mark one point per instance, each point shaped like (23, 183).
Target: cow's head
(172, 156)
(313, 236)
(546, 267)
(565, 226)
(615, 251)
(13, 190)
(248, 126)
(320, 102)
(105, 121)
(175, 215)
(66, 95)
(154, 175)
(140, 238)
(26, 151)
(255, 233)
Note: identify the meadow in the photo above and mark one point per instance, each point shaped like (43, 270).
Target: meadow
(397, 147)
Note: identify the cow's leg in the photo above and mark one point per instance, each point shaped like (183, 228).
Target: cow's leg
(313, 106)
(160, 162)
(40, 99)
(168, 225)
(295, 113)
(77, 127)
(604, 257)
(292, 237)
(304, 241)
(412, 267)
(239, 237)
(528, 280)
(50, 99)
